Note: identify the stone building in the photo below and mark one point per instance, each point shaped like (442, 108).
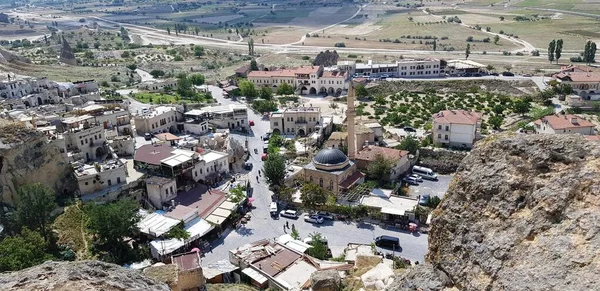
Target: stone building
(159, 119)
(333, 170)
(299, 121)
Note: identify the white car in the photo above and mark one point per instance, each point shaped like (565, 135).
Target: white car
(289, 213)
(313, 219)
(416, 177)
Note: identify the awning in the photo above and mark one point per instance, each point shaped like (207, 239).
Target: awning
(221, 212)
(176, 160)
(392, 211)
(215, 219)
(228, 205)
(254, 275)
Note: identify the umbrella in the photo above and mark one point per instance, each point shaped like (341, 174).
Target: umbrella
(196, 250)
(251, 199)
(412, 224)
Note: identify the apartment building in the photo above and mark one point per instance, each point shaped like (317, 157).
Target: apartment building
(563, 124)
(159, 119)
(299, 121)
(158, 85)
(333, 82)
(456, 128)
(84, 137)
(92, 178)
(584, 84)
(400, 69)
(232, 116)
(306, 80)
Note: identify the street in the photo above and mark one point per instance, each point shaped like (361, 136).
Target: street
(261, 225)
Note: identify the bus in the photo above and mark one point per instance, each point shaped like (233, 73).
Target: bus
(426, 173)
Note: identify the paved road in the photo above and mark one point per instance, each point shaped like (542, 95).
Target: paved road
(303, 38)
(261, 225)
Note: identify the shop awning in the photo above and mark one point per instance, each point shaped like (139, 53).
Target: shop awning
(392, 211)
(254, 275)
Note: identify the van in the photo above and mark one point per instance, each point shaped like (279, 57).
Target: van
(387, 241)
(145, 110)
(425, 173)
(273, 209)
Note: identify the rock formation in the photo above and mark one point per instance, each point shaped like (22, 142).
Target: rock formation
(81, 275)
(4, 18)
(66, 53)
(328, 280)
(9, 57)
(521, 214)
(26, 157)
(326, 58)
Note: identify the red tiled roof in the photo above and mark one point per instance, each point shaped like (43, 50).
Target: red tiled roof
(457, 117)
(577, 68)
(593, 137)
(579, 76)
(152, 154)
(275, 264)
(186, 262)
(564, 121)
(370, 153)
(334, 74)
(351, 179)
(285, 73)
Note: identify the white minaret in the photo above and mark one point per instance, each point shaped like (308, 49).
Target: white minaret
(350, 114)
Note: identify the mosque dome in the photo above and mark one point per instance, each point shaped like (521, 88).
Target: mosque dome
(330, 159)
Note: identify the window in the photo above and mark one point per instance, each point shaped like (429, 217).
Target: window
(200, 171)
(86, 183)
(439, 135)
(440, 127)
(321, 182)
(447, 128)
(195, 173)
(311, 179)
(171, 189)
(118, 180)
(446, 137)
(276, 123)
(82, 142)
(109, 182)
(330, 184)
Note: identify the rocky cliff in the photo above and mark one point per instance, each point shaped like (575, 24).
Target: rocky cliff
(81, 275)
(26, 157)
(521, 214)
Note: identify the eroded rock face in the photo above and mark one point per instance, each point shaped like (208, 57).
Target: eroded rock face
(522, 213)
(326, 281)
(81, 275)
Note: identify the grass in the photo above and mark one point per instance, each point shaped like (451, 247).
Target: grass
(70, 227)
(164, 98)
(229, 287)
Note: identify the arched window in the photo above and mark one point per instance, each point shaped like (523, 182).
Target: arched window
(321, 182)
(330, 184)
(310, 179)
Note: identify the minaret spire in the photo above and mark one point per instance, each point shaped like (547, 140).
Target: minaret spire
(350, 114)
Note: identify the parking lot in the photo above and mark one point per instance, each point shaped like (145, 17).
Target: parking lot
(432, 188)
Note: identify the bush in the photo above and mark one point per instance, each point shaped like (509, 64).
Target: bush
(519, 54)
(340, 44)
(178, 58)
(305, 58)
(576, 59)
(352, 56)
(535, 53)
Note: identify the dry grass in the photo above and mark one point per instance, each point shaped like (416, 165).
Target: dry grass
(229, 287)
(70, 227)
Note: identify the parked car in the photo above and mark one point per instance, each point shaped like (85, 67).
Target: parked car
(423, 200)
(409, 129)
(477, 75)
(527, 75)
(266, 137)
(313, 219)
(508, 74)
(309, 240)
(410, 181)
(147, 136)
(251, 122)
(248, 166)
(325, 215)
(387, 241)
(417, 178)
(494, 74)
(289, 213)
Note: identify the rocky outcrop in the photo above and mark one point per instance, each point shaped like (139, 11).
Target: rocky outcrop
(81, 275)
(441, 161)
(9, 57)
(66, 53)
(521, 214)
(4, 18)
(26, 157)
(328, 280)
(326, 58)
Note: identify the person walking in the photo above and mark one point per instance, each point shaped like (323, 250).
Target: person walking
(284, 229)
(293, 227)
(287, 224)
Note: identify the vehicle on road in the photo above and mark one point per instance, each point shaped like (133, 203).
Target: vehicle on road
(423, 200)
(494, 74)
(417, 178)
(325, 215)
(289, 213)
(248, 166)
(508, 74)
(386, 241)
(145, 110)
(274, 210)
(147, 136)
(527, 75)
(410, 181)
(425, 173)
(251, 122)
(409, 129)
(266, 137)
(309, 240)
(313, 219)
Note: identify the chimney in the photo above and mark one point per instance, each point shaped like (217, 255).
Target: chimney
(574, 121)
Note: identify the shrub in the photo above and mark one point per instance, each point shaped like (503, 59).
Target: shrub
(535, 53)
(305, 58)
(340, 44)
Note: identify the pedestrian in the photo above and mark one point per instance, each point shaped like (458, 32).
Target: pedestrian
(287, 224)
(293, 227)
(284, 229)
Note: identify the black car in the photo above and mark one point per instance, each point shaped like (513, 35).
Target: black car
(493, 74)
(248, 166)
(387, 241)
(409, 129)
(477, 75)
(508, 74)
(147, 136)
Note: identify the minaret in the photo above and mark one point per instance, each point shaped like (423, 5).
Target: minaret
(350, 114)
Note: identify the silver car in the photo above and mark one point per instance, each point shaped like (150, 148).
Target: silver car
(289, 213)
(313, 219)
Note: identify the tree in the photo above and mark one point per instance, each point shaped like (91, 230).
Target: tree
(35, 203)
(434, 45)
(196, 79)
(184, 86)
(22, 251)
(589, 52)
(521, 107)
(285, 194)
(295, 234)
(285, 89)
(113, 221)
(490, 68)
(236, 194)
(132, 67)
(496, 121)
(498, 109)
(274, 169)
(318, 247)
(496, 39)
(157, 73)
(198, 51)
(178, 231)
(433, 201)
(266, 93)
(253, 65)
(263, 106)
(410, 144)
(501, 18)
(313, 195)
(361, 91)
(551, 48)
(247, 89)
(558, 50)
(468, 51)
(380, 169)
(251, 47)
(168, 30)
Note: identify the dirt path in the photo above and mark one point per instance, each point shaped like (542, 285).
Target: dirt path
(83, 236)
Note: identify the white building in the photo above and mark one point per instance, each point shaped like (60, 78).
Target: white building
(457, 67)
(210, 165)
(158, 85)
(161, 190)
(425, 68)
(196, 122)
(299, 121)
(232, 116)
(84, 137)
(306, 80)
(563, 124)
(92, 178)
(159, 119)
(457, 128)
(584, 84)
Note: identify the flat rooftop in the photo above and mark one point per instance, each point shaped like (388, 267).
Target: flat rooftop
(188, 261)
(201, 199)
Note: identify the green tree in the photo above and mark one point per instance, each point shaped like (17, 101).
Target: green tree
(88, 55)
(253, 65)
(433, 201)
(295, 234)
(496, 39)
(361, 91)
(313, 195)
(198, 51)
(263, 106)
(22, 251)
(501, 18)
(410, 144)
(551, 48)
(196, 79)
(318, 247)
(132, 67)
(112, 222)
(558, 50)
(247, 89)
(468, 51)
(434, 45)
(285, 89)
(35, 203)
(589, 52)
(236, 194)
(521, 107)
(168, 30)
(266, 93)
(496, 121)
(157, 73)
(380, 169)
(184, 86)
(490, 68)
(285, 194)
(178, 231)
(274, 169)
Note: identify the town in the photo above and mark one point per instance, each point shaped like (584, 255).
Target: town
(326, 175)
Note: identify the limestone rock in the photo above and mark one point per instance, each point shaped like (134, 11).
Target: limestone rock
(80, 275)
(326, 58)
(520, 214)
(66, 53)
(9, 57)
(326, 281)
(4, 18)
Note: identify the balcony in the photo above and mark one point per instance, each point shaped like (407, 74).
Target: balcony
(301, 122)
